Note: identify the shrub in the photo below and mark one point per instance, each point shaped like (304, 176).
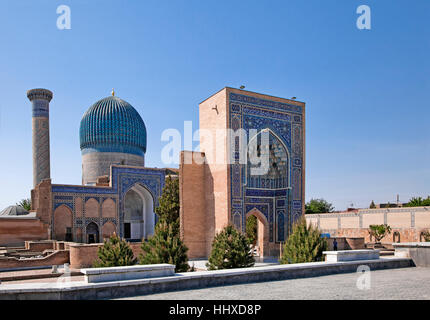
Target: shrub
(165, 246)
(379, 231)
(25, 203)
(304, 244)
(115, 252)
(230, 249)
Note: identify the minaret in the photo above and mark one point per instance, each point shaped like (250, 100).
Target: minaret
(40, 99)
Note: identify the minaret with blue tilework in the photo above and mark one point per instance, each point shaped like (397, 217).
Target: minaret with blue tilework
(40, 99)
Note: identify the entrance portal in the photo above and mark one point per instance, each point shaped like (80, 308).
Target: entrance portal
(139, 216)
(262, 233)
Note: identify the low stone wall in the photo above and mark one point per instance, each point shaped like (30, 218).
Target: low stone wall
(55, 258)
(189, 280)
(84, 255)
(96, 275)
(40, 246)
(351, 255)
(419, 252)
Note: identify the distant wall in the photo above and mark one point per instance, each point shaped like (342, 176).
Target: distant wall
(407, 224)
(346, 243)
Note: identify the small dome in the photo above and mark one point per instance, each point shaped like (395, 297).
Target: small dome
(14, 211)
(112, 125)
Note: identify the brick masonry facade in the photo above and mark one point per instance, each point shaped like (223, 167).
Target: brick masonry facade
(220, 190)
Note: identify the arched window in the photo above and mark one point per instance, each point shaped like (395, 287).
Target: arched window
(272, 163)
(396, 237)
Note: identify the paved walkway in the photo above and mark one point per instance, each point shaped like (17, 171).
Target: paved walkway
(407, 283)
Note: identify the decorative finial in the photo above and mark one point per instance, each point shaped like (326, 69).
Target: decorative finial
(113, 92)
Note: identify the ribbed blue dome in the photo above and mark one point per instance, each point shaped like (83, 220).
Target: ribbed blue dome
(112, 125)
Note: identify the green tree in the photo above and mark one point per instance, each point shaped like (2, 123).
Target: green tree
(318, 206)
(25, 203)
(418, 202)
(379, 231)
(168, 208)
(115, 252)
(251, 229)
(305, 244)
(230, 249)
(165, 246)
(372, 205)
(426, 236)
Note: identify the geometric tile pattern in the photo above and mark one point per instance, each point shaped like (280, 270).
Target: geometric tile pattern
(280, 203)
(123, 179)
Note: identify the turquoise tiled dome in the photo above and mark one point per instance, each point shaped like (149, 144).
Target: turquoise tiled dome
(112, 125)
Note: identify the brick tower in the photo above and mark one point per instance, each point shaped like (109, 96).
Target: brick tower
(40, 99)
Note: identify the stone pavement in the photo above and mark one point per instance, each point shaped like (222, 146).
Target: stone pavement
(406, 283)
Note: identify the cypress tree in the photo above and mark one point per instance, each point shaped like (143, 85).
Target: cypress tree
(115, 252)
(168, 208)
(165, 246)
(304, 244)
(230, 249)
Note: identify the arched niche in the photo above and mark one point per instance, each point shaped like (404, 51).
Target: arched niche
(268, 162)
(63, 223)
(138, 216)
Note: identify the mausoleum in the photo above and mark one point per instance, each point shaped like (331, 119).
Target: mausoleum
(119, 192)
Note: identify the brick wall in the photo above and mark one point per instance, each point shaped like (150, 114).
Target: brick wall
(408, 223)
(217, 188)
(193, 205)
(84, 255)
(18, 230)
(40, 246)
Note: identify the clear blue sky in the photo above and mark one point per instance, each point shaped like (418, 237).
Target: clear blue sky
(367, 92)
